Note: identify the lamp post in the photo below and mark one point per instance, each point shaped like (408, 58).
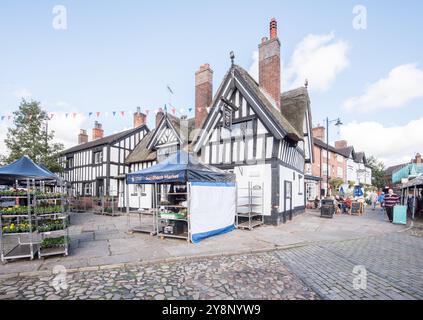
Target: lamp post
(338, 123)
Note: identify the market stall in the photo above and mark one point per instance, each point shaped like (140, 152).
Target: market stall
(191, 200)
(33, 213)
(412, 196)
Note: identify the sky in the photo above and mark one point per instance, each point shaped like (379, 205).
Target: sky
(363, 61)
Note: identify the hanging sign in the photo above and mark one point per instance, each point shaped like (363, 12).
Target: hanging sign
(227, 117)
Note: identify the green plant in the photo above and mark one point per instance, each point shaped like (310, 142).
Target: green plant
(54, 242)
(52, 225)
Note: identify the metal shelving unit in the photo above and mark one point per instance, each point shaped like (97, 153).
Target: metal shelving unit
(26, 248)
(251, 213)
(143, 226)
(172, 222)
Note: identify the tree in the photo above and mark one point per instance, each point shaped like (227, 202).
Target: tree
(28, 136)
(378, 169)
(335, 183)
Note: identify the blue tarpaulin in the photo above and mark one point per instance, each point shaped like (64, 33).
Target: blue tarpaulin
(25, 168)
(180, 167)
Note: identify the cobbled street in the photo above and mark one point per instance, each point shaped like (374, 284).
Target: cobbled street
(324, 270)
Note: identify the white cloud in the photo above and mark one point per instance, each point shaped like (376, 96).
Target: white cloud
(402, 85)
(393, 144)
(318, 58)
(22, 93)
(66, 129)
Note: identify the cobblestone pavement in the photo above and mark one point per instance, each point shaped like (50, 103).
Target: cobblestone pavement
(323, 270)
(393, 264)
(258, 276)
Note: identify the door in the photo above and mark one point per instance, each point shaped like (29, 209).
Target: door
(287, 201)
(100, 187)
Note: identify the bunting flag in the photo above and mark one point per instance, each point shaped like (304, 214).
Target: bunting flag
(2, 118)
(189, 109)
(98, 113)
(173, 110)
(74, 115)
(122, 113)
(90, 114)
(114, 113)
(51, 116)
(147, 112)
(66, 115)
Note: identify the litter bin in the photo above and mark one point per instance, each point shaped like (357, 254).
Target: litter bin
(327, 209)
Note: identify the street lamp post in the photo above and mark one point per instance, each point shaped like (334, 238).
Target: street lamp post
(338, 123)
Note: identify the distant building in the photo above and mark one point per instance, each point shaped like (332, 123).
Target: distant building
(396, 175)
(344, 163)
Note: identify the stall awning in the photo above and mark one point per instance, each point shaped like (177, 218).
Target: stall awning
(416, 182)
(180, 167)
(24, 168)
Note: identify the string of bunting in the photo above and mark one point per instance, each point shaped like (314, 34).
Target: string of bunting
(99, 114)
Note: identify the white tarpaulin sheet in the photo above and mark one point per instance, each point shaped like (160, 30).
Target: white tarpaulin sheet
(212, 209)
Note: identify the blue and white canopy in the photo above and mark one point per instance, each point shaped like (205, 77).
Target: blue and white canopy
(25, 168)
(180, 167)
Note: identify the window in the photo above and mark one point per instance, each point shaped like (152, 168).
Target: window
(98, 157)
(69, 163)
(242, 129)
(87, 189)
(164, 152)
(340, 172)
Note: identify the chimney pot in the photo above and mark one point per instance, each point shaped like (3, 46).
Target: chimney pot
(203, 93)
(341, 144)
(83, 136)
(159, 117)
(270, 64)
(319, 133)
(98, 131)
(139, 118)
(418, 158)
(273, 28)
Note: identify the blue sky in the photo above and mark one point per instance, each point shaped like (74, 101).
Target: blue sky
(120, 55)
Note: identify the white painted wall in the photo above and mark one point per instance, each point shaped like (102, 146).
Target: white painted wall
(258, 175)
(287, 174)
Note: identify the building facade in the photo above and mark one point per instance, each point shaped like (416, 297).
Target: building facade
(93, 168)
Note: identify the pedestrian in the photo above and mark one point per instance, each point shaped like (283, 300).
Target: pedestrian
(381, 200)
(373, 200)
(391, 200)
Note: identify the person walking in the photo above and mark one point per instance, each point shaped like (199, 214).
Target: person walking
(373, 200)
(381, 200)
(391, 200)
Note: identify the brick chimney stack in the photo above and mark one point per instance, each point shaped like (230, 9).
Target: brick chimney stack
(98, 131)
(418, 158)
(341, 144)
(319, 132)
(203, 93)
(270, 63)
(139, 118)
(159, 116)
(82, 136)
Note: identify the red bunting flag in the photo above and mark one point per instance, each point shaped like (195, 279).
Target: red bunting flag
(122, 113)
(75, 114)
(98, 113)
(173, 110)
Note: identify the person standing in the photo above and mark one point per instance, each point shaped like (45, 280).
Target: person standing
(381, 200)
(391, 200)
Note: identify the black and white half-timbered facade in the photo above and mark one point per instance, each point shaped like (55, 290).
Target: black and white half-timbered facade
(170, 135)
(261, 135)
(93, 168)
